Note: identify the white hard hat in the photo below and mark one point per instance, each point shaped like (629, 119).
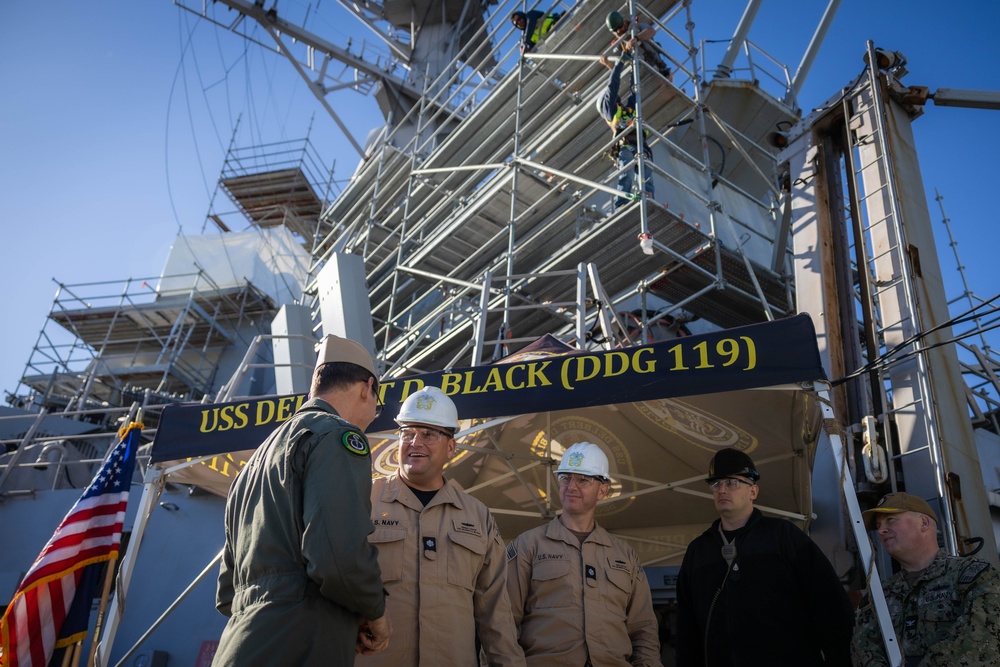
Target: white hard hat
(430, 406)
(585, 458)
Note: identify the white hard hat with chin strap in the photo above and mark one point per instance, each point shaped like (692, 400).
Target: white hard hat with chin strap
(429, 406)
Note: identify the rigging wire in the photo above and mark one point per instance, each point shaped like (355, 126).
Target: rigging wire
(886, 361)
(893, 363)
(256, 130)
(181, 74)
(961, 318)
(185, 47)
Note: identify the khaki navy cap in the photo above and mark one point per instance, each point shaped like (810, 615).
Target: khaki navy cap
(334, 348)
(894, 503)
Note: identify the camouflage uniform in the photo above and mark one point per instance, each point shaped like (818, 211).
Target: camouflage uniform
(949, 614)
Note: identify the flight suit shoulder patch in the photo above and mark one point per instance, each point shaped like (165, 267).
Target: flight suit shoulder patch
(355, 443)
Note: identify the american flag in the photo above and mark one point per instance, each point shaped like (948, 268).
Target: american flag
(32, 628)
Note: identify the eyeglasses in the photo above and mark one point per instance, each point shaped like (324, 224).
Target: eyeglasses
(583, 481)
(378, 396)
(728, 483)
(411, 433)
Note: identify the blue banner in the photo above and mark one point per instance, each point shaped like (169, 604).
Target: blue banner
(760, 355)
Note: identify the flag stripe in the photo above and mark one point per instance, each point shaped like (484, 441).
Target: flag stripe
(46, 631)
(31, 627)
(100, 535)
(111, 515)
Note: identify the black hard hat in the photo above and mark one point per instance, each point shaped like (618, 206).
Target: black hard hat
(518, 15)
(729, 462)
(614, 20)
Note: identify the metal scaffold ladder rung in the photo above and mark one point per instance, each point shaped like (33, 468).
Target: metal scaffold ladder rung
(889, 251)
(899, 408)
(887, 218)
(876, 191)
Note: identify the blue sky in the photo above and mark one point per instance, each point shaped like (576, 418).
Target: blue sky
(116, 115)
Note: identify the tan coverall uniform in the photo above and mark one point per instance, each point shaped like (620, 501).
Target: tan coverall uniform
(444, 566)
(580, 605)
(298, 570)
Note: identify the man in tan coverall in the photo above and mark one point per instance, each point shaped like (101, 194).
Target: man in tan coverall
(579, 595)
(299, 579)
(441, 555)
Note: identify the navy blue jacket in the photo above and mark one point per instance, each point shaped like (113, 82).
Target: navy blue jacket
(782, 603)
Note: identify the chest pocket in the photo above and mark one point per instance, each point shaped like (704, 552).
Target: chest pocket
(551, 585)
(618, 589)
(933, 619)
(466, 554)
(389, 542)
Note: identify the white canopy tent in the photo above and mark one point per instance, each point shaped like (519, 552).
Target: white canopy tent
(659, 411)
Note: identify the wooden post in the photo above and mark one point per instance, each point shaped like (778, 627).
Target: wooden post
(68, 654)
(77, 650)
(108, 578)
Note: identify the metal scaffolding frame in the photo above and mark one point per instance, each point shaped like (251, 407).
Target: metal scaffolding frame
(105, 344)
(508, 186)
(479, 211)
(283, 183)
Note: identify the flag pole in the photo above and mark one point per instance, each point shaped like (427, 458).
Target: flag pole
(108, 578)
(68, 653)
(109, 574)
(77, 650)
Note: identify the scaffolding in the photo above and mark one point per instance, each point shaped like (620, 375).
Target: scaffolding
(492, 218)
(283, 183)
(482, 213)
(108, 344)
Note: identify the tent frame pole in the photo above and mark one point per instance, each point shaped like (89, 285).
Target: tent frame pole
(180, 598)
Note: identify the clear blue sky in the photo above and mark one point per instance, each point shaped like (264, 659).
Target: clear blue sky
(115, 117)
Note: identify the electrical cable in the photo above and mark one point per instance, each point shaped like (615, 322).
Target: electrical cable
(885, 361)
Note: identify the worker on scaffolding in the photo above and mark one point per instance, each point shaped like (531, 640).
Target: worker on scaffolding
(620, 117)
(649, 51)
(535, 24)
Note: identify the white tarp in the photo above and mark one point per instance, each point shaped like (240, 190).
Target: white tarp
(271, 259)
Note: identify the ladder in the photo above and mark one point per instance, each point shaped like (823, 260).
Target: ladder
(889, 268)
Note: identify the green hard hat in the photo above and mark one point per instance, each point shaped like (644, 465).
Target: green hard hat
(614, 21)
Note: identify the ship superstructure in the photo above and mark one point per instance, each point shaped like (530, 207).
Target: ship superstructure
(478, 219)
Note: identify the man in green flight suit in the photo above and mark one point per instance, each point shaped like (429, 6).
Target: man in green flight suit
(299, 579)
(945, 610)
